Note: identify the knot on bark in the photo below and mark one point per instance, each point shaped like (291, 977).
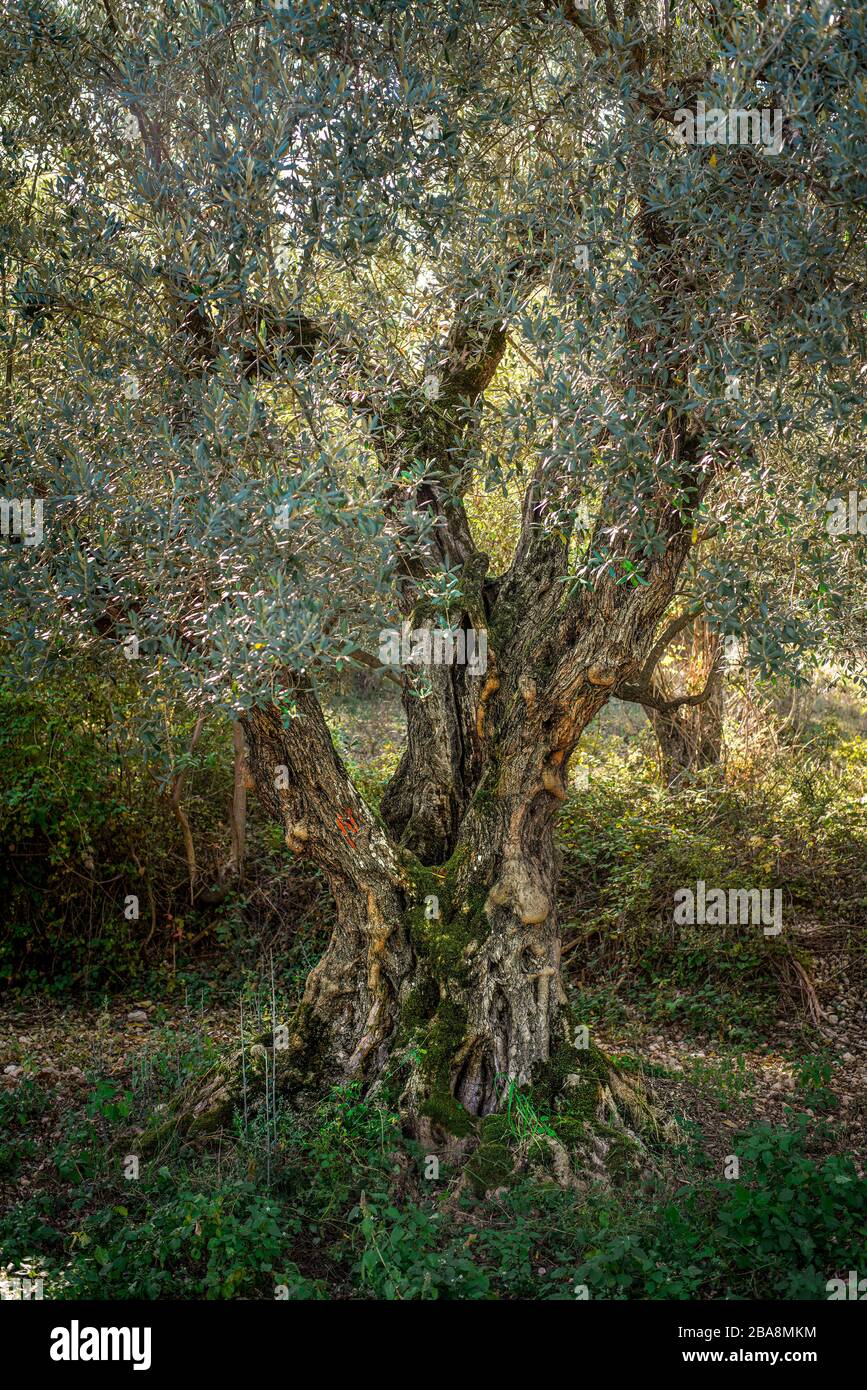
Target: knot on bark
(598, 676)
(552, 781)
(491, 685)
(297, 836)
(517, 888)
(527, 689)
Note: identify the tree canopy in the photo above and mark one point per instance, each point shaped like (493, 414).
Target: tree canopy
(293, 295)
(542, 324)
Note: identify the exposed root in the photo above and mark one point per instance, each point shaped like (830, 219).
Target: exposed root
(600, 1126)
(582, 1121)
(205, 1107)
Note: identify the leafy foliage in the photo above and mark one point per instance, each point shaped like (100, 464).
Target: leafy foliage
(336, 1223)
(628, 846)
(236, 253)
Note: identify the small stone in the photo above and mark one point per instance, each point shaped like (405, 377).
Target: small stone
(137, 1016)
(12, 1070)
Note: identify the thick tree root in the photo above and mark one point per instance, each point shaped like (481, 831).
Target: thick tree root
(584, 1121)
(205, 1108)
(600, 1126)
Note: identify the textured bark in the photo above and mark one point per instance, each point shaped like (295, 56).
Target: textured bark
(427, 798)
(492, 971)
(449, 971)
(443, 968)
(442, 974)
(352, 998)
(460, 958)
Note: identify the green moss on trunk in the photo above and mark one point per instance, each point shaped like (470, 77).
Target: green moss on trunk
(443, 1041)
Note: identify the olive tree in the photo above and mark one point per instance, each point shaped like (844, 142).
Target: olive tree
(290, 290)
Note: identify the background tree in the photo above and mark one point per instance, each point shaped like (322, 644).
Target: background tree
(685, 704)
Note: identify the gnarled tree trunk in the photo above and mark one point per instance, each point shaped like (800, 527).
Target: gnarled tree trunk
(455, 960)
(443, 969)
